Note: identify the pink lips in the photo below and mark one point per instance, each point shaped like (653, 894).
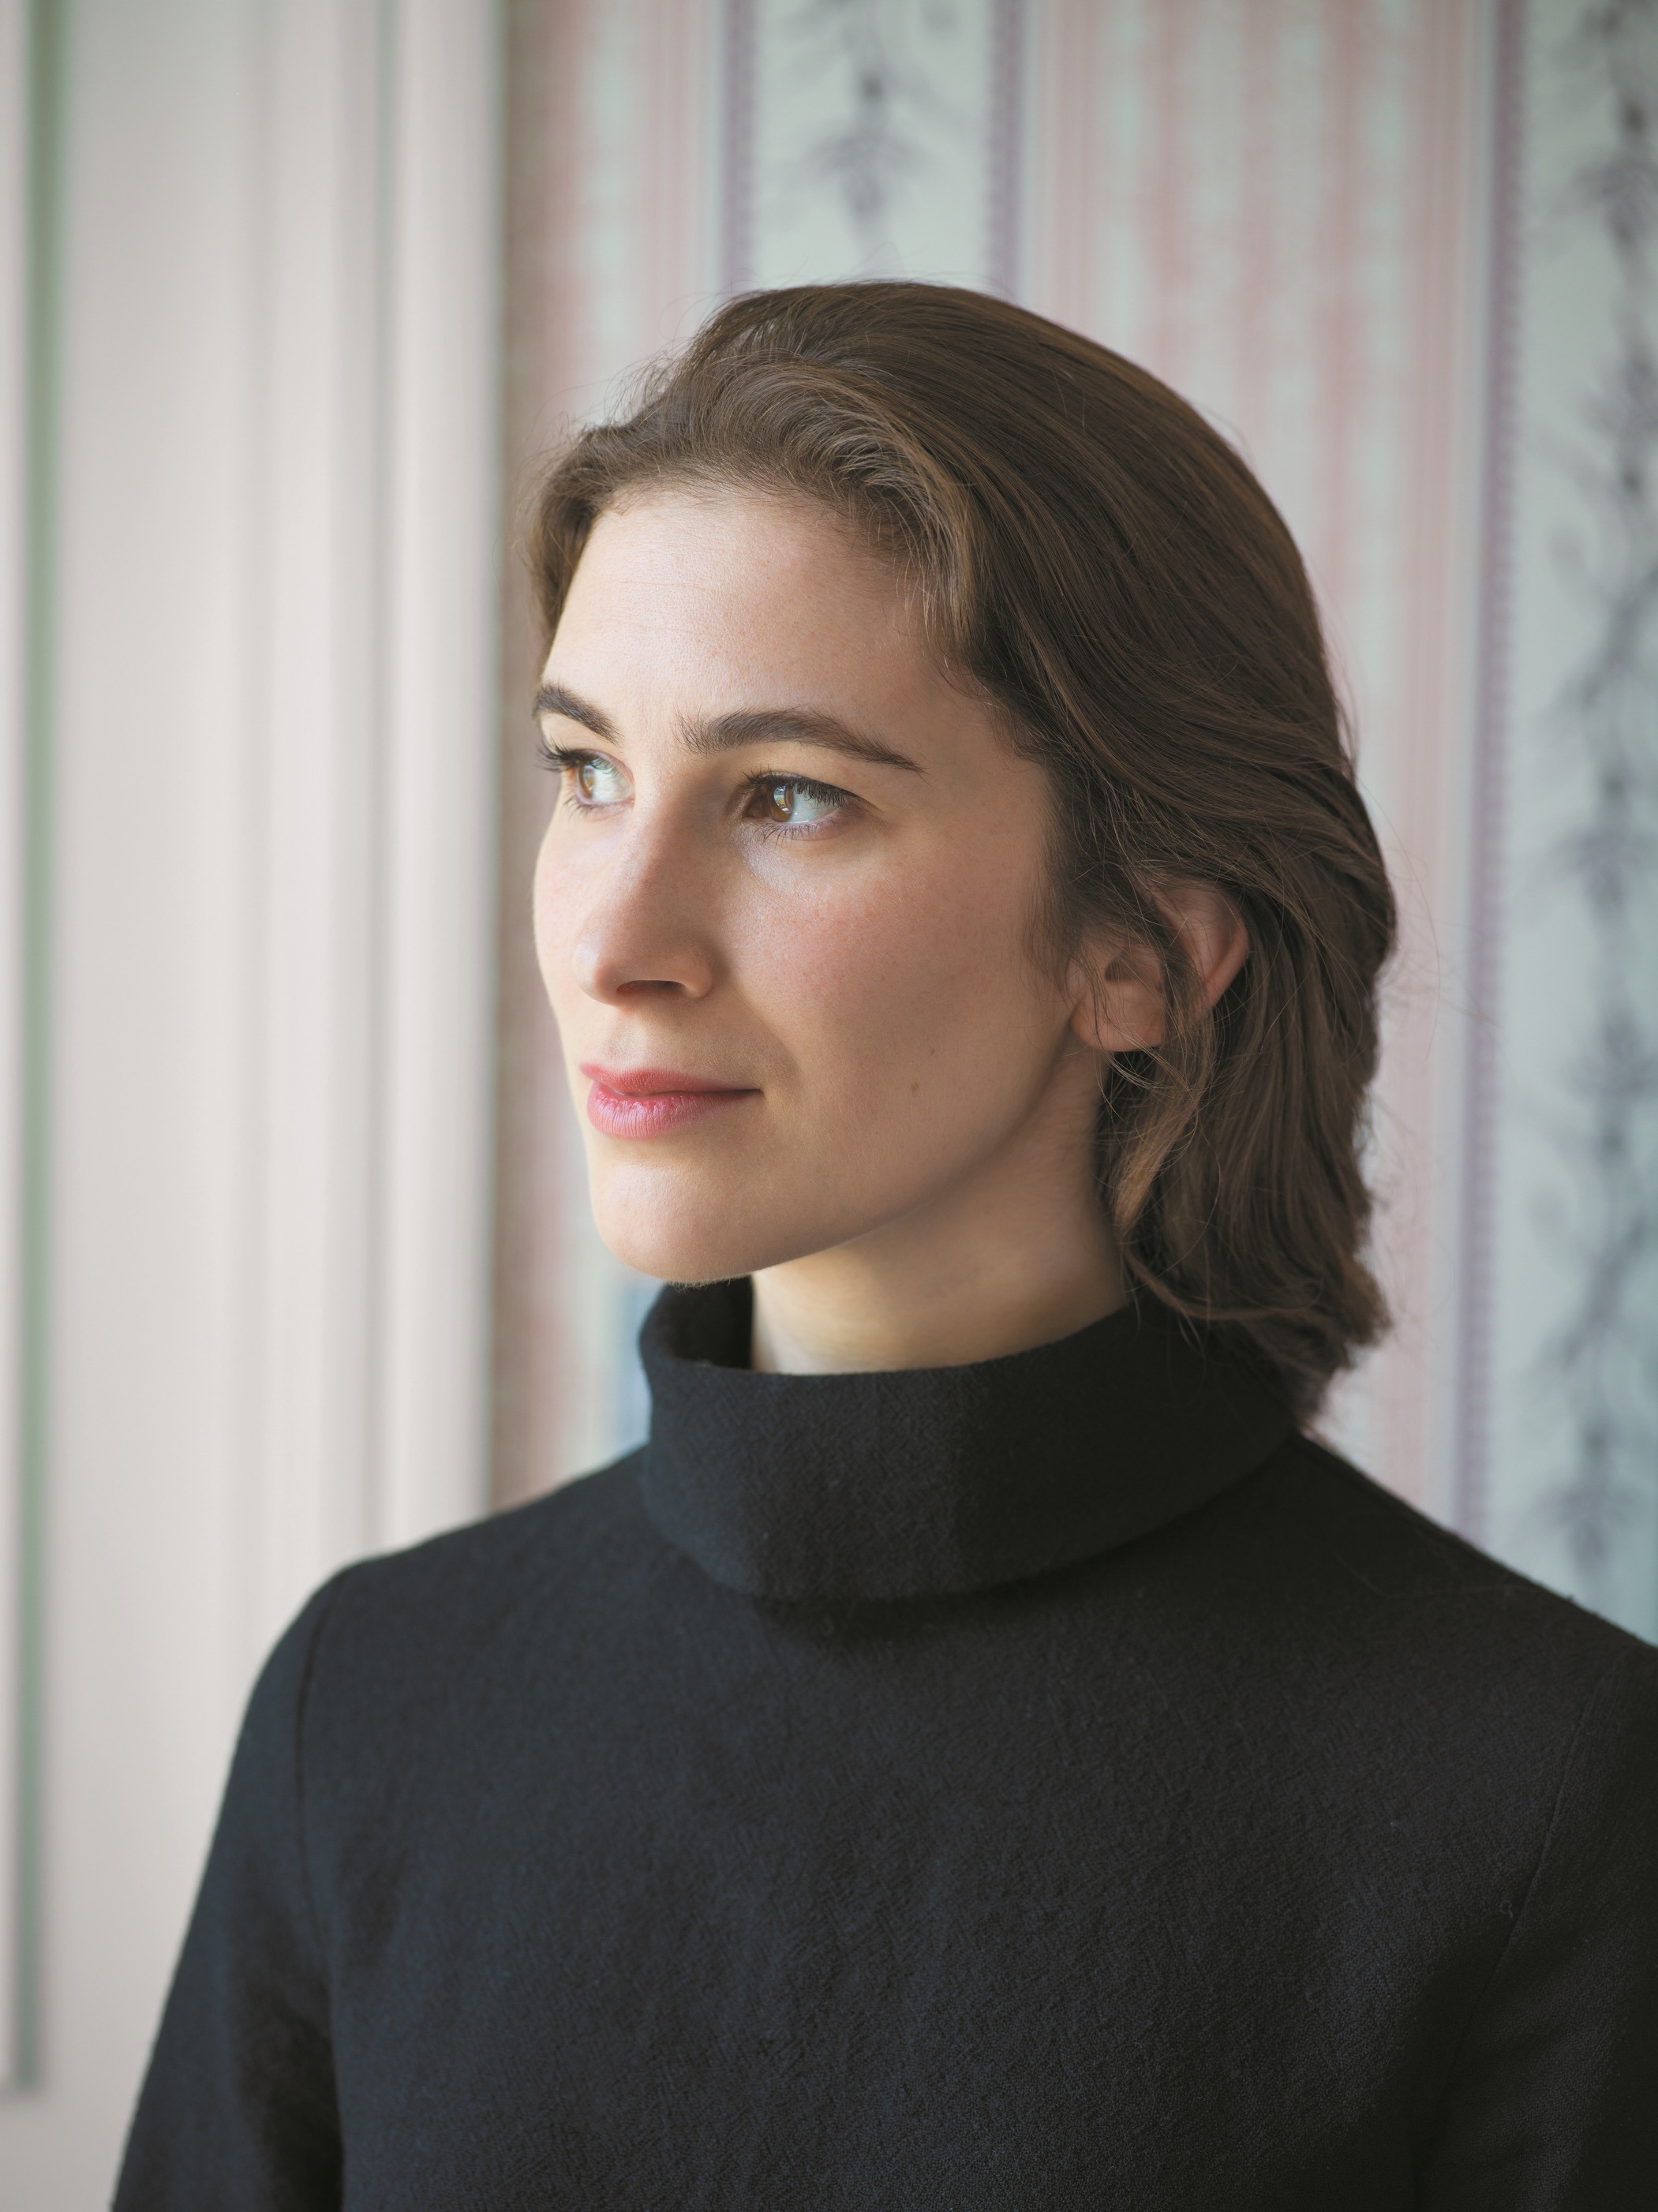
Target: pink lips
(653, 1102)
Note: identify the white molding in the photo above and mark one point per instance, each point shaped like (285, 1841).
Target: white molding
(274, 748)
(437, 762)
(314, 826)
(373, 819)
(14, 508)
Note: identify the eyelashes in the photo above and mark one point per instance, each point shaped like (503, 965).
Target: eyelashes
(561, 760)
(773, 801)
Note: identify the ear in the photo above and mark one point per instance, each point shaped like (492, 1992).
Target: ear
(1120, 1002)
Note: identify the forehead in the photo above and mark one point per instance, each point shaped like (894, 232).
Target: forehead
(734, 583)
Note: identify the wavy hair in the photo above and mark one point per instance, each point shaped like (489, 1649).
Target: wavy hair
(1091, 556)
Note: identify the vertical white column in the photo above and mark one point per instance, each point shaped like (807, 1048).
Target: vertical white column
(273, 737)
(146, 687)
(372, 836)
(437, 755)
(14, 499)
(315, 803)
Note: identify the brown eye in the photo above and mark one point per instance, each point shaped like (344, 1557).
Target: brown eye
(793, 803)
(598, 782)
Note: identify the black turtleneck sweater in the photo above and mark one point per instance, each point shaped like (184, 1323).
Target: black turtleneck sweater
(1047, 1784)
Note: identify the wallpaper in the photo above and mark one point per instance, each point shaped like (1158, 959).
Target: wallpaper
(1560, 1416)
(1400, 251)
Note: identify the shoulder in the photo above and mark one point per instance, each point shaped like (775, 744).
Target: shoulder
(1353, 1521)
(1402, 1597)
(499, 1590)
(593, 1520)
(1377, 1663)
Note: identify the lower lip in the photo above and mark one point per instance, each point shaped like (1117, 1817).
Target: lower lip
(656, 1113)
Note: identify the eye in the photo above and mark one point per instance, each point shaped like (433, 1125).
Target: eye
(598, 779)
(793, 802)
(593, 780)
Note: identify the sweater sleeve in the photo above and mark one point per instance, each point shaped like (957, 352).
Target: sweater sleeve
(238, 2108)
(1552, 2103)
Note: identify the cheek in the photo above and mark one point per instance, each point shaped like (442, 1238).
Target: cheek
(552, 910)
(908, 983)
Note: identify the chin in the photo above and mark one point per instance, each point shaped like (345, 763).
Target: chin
(683, 1229)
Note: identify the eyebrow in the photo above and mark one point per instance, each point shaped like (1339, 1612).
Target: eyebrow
(753, 725)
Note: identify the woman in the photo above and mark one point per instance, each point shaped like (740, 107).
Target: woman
(982, 1752)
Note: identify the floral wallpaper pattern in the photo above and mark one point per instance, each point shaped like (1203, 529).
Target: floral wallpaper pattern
(1402, 251)
(1561, 1465)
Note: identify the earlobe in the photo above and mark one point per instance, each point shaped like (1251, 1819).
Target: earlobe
(1119, 1002)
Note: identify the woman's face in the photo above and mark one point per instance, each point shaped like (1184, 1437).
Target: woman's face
(785, 905)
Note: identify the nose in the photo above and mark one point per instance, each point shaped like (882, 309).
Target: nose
(646, 929)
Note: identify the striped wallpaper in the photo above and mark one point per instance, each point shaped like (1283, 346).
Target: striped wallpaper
(1397, 251)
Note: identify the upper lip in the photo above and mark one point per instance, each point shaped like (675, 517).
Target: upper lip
(644, 1082)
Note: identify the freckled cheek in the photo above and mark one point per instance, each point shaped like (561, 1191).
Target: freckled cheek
(876, 988)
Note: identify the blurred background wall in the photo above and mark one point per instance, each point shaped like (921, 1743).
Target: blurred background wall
(295, 296)
(251, 352)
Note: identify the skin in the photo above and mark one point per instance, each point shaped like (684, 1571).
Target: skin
(792, 859)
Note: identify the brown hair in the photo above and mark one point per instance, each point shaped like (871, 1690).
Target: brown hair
(1091, 554)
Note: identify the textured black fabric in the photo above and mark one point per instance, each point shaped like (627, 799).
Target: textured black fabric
(1259, 1846)
(942, 1492)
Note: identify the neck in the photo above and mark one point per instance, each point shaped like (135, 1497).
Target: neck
(1018, 1254)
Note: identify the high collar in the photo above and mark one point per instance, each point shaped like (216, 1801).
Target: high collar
(932, 1481)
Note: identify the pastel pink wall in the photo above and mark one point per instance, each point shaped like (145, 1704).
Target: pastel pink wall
(1323, 221)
